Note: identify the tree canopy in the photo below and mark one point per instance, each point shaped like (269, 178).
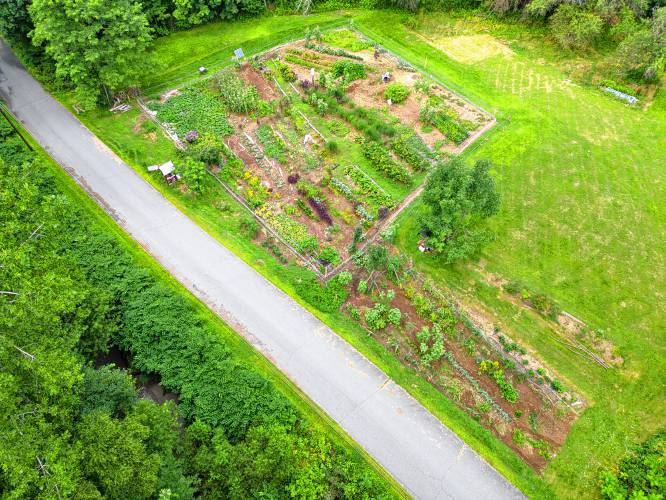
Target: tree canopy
(458, 200)
(96, 45)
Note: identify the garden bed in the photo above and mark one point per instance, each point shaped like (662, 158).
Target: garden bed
(496, 382)
(322, 161)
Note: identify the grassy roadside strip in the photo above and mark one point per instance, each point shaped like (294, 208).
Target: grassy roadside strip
(242, 349)
(215, 46)
(115, 133)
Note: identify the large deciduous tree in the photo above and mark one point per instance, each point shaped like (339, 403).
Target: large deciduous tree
(575, 28)
(458, 200)
(97, 45)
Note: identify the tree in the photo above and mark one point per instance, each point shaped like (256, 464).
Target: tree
(459, 199)
(98, 46)
(115, 456)
(642, 55)
(109, 389)
(15, 21)
(575, 28)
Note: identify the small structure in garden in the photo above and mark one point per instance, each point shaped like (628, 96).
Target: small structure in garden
(202, 70)
(168, 171)
(386, 77)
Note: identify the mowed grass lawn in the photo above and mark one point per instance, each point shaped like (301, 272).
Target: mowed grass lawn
(583, 216)
(583, 219)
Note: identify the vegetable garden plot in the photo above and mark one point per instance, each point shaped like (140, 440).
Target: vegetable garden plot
(324, 165)
(499, 385)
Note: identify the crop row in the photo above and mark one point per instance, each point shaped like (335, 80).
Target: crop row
(323, 49)
(274, 147)
(380, 158)
(410, 148)
(295, 233)
(368, 188)
(305, 63)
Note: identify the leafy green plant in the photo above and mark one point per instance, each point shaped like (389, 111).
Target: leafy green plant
(194, 174)
(445, 121)
(640, 474)
(274, 147)
(348, 70)
(382, 161)
(411, 148)
(330, 255)
(285, 71)
(326, 298)
(397, 92)
(519, 437)
(368, 188)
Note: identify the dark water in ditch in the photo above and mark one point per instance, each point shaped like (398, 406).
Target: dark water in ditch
(149, 385)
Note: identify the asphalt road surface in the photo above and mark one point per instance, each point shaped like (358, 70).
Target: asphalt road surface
(428, 459)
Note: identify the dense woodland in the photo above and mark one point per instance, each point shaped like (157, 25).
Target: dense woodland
(101, 48)
(69, 290)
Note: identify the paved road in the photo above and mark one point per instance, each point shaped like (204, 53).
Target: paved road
(428, 459)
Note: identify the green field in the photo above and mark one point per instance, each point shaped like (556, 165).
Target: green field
(584, 209)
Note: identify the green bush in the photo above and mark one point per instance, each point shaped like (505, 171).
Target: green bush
(397, 92)
(640, 474)
(326, 298)
(330, 256)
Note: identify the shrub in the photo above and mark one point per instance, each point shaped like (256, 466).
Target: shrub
(545, 305)
(293, 178)
(397, 92)
(640, 474)
(332, 146)
(394, 316)
(376, 317)
(326, 298)
(344, 278)
(208, 149)
(194, 174)
(574, 27)
(249, 227)
(329, 255)
(362, 286)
